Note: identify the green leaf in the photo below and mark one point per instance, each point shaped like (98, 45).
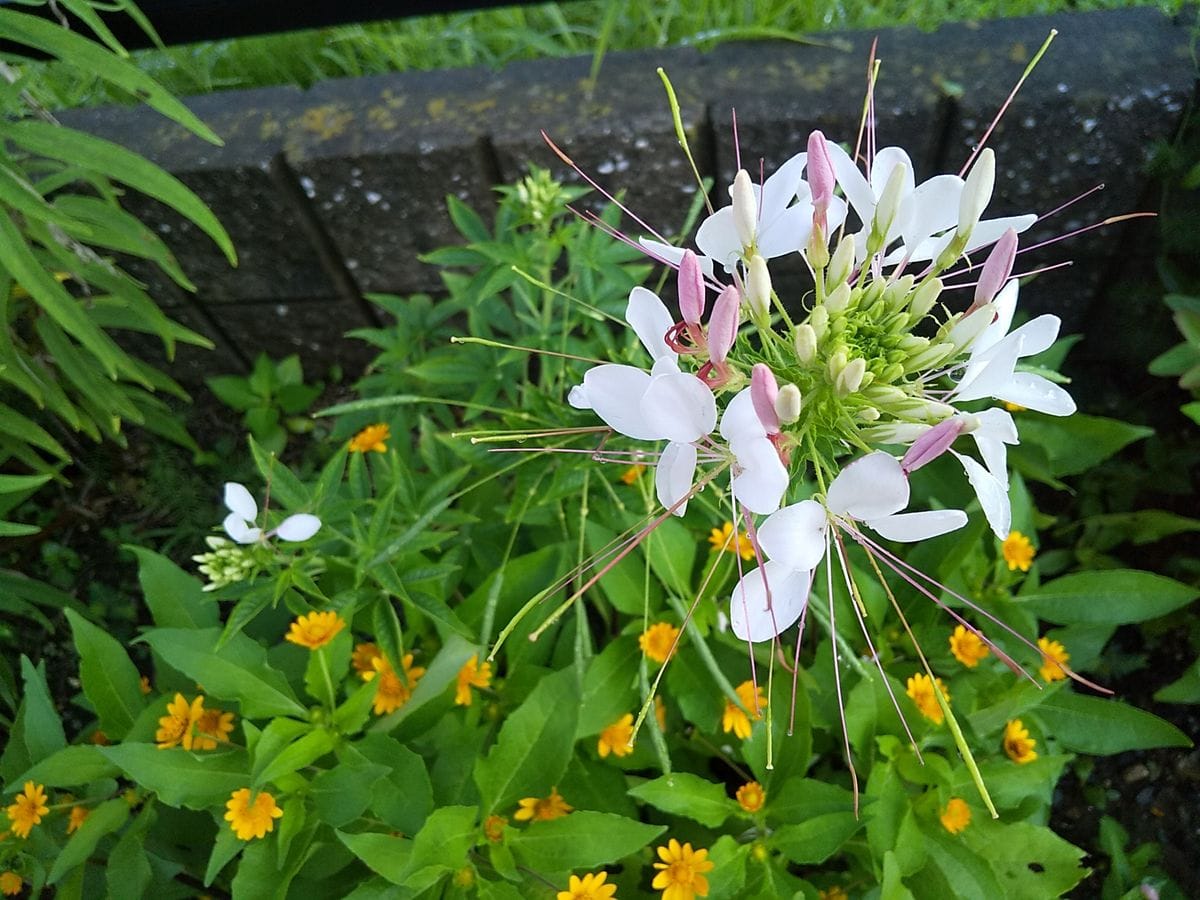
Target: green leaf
(128, 872)
(1109, 597)
(1031, 861)
(801, 799)
(110, 680)
(175, 598)
(238, 671)
(534, 746)
(43, 728)
(69, 767)
(1102, 727)
(226, 846)
(815, 840)
(180, 778)
(608, 691)
(307, 749)
(442, 845)
(1185, 690)
(1076, 443)
(343, 792)
(383, 854)
(103, 820)
(582, 839)
(683, 794)
(405, 799)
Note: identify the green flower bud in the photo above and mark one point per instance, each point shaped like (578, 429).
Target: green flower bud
(924, 297)
(841, 264)
(838, 299)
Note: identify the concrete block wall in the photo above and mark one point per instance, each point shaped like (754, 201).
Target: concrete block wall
(334, 192)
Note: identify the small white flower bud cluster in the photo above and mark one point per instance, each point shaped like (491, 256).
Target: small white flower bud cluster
(227, 563)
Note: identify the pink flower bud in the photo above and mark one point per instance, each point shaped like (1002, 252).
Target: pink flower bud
(763, 392)
(932, 444)
(723, 324)
(820, 172)
(996, 269)
(691, 288)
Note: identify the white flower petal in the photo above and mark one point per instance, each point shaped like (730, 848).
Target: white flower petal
(795, 535)
(881, 170)
(761, 484)
(299, 527)
(991, 230)
(789, 232)
(240, 530)
(1005, 304)
(930, 209)
(1036, 393)
(672, 255)
(778, 191)
(1038, 334)
(992, 494)
(740, 422)
(240, 501)
(673, 475)
(996, 428)
(919, 526)
(679, 406)
(752, 617)
(717, 237)
(614, 393)
(650, 320)
(871, 487)
(853, 183)
(989, 371)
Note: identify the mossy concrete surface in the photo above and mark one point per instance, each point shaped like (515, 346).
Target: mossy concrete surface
(334, 192)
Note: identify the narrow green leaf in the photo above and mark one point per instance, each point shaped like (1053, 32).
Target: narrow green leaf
(1109, 597)
(69, 767)
(195, 781)
(581, 840)
(684, 794)
(1102, 727)
(815, 840)
(307, 749)
(176, 599)
(383, 854)
(103, 820)
(43, 728)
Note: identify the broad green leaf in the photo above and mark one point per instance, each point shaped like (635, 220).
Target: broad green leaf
(343, 792)
(1185, 690)
(43, 731)
(1031, 861)
(128, 873)
(225, 847)
(69, 767)
(815, 840)
(103, 820)
(608, 686)
(1076, 443)
(383, 854)
(1102, 727)
(954, 870)
(1109, 597)
(176, 599)
(405, 799)
(534, 745)
(800, 799)
(180, 778)
(109, 678)
(672, 551)
(581, 840)
(292, 758)
(684, 794)
(441, 846)
(238, 671)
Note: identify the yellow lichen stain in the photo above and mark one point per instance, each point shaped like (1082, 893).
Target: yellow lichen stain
(1019, 53)
(268, 128)
(436, 107)
(480, 106)
(389, 97)
(381, 117)
(325, 121)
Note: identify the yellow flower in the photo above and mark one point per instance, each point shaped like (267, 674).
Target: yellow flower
(723, 539)
(630, 475)
(493, 828)
(212, 727)
(751, 796)
(144, 685)
(589, 887)
(1018, 744)
(1018, 551)
(28, 809)
(99, 738)
(968, 648)
(657, 640)
(471, 675)
(920, 689)
(11, 883)
(370, 438)
(393, 691)
(735, 719)
(78, 815)
(362, 658)
(175, 727)
(1054, 658)
(251, 818)
(617, 738)
(681, 872)
(537, 809)
(315, 629)
(956, 816)
(837, 892)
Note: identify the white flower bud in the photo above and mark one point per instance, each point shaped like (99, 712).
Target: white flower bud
(929, 357)
(819, 320)
(886, 208)
(836, 363)
(758, 287)
(788, 404)
(850, 379)
(806, 343)
(964, 331)
(924, 297)
(745, 208)
(868, 414)
(977, 192)
(838, 299)
(841, 264)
